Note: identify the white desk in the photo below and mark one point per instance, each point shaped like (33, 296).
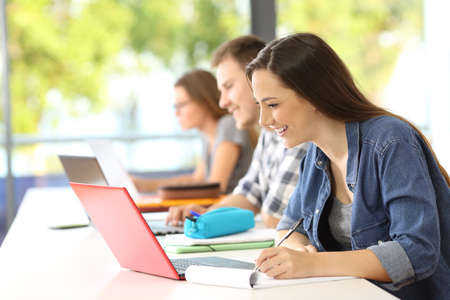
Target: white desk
(39, 263)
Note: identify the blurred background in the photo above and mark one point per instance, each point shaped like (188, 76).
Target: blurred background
(81, 69)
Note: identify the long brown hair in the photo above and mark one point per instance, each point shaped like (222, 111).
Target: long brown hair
(308, 65)
(201, 86)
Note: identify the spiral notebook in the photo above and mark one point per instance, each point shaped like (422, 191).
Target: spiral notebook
(246, 279)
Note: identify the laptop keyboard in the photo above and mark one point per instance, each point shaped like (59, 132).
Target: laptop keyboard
(160, 228)
(181, 264)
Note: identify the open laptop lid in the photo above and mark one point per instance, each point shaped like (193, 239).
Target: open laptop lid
(112, 168)
(126, 232)
(83, 169)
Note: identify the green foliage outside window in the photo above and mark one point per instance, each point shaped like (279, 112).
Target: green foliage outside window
(70, 47)
(368, 35)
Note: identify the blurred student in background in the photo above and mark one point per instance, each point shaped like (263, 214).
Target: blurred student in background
(273, 173)
(227, 150)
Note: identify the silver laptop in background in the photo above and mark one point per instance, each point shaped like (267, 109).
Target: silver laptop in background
(87, 170)
(83, 169)
(113, 170)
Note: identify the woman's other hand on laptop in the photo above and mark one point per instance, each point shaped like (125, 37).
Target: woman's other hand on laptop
(177, 214)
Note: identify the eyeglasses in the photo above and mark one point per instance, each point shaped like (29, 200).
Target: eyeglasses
(180, 105)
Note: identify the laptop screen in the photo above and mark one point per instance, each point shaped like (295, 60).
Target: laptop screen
(82, 169)
(124, 229)
(112, 168)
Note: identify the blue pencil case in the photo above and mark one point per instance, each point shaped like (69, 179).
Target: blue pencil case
(219, 222)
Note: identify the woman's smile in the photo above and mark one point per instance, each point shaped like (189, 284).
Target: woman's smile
(281, 131)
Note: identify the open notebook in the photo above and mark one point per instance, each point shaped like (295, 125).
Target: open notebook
(240, 278)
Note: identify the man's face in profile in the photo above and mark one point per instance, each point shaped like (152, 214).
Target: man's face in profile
(236, 94)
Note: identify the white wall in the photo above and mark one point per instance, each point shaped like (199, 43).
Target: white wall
(437, 45)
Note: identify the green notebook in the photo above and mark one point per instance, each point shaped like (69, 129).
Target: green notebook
(218, 247)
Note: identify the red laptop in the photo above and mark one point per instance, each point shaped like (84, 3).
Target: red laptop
(131, 239)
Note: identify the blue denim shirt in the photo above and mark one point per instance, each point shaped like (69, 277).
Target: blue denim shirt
(401, 205)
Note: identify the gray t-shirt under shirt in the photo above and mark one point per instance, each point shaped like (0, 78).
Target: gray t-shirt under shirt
(340, 219)
(227, 132)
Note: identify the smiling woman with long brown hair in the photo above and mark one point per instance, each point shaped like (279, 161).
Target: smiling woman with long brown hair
(373, 197)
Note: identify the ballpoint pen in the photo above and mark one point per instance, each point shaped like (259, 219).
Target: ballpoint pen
(194, 217)
(194, 213)
(290, 231)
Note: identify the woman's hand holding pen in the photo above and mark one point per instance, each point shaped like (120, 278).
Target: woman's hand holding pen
(283, 263)
(286, 262)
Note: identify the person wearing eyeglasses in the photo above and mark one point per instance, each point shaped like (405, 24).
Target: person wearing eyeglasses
(227, 151)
